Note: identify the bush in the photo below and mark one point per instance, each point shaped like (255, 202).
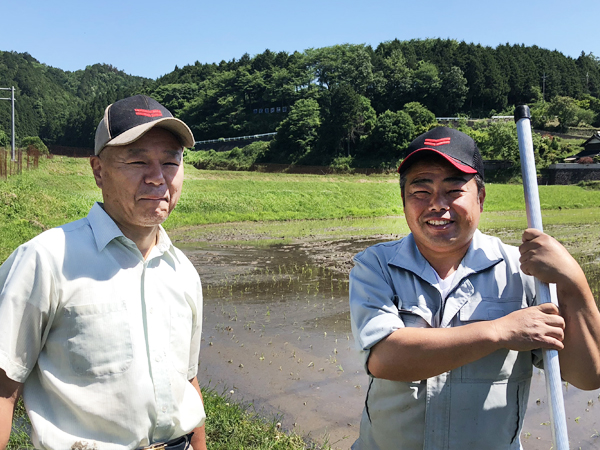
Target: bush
(342, 164)
(36, 143)
(235, 159)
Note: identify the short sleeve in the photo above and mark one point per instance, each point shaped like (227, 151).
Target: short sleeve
(26, 309)
(196, 332)
(373, 313)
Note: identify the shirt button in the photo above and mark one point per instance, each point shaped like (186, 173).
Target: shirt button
(157, 358)
(164, 409)
(151, 310)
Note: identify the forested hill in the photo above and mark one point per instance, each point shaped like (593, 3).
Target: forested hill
(329, 98)
(60, 107)
(445, 76)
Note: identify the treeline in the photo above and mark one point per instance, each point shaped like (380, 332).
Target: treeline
(343, 101)
(58, 106)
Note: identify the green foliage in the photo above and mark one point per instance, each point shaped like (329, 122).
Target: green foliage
(422, 118)
(341, 64)
(4, 139)
(60, 107)
(500, 142)
(351, 84)
(298, 133)
(35, 142)
(392, 133)
(348, 117)
(540, 115)
(234, 159)
(342, 164)
(590, 185)
(569, 113)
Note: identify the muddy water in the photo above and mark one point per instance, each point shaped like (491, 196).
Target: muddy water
(277, 337)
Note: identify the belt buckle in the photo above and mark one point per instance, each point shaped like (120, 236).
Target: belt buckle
(158, 446)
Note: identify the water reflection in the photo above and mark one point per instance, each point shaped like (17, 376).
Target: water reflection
(277, 334)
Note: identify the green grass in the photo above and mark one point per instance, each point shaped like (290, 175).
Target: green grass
(232, 426)
(19, 437)
(229, 425)
(63, 189)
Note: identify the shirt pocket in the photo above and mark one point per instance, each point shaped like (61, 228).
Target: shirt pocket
(181, 337)
(99, 339)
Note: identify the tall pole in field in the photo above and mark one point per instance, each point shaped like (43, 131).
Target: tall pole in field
(12, 101)
(545, 293)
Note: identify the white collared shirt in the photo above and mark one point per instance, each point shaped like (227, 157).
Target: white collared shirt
(103, 340)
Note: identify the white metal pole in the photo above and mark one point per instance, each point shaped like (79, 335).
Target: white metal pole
(12, 139)
(544, 292)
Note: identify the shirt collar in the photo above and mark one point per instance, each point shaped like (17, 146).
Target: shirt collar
(480, 256)
(103, 227)
(105, 230)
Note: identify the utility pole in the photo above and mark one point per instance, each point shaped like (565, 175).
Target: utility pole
(587, 82)
(12, 101)
(544, 88)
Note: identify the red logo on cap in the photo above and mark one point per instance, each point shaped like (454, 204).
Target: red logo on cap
(148, 112)
(436, 142)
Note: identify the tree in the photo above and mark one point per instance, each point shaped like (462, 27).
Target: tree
(569, 114)
(421, 117)
(298, 133)
(347, 116)
(392, 133)
(399, 80)
(427, 84)
(35, 142)
(453, 92)
(342, 64)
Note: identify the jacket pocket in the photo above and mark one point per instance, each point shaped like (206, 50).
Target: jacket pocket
(489, 308)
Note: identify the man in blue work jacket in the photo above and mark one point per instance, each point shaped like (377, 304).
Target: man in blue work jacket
(445, 319)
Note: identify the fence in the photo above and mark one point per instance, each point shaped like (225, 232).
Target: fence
(237, 138)
(583, 132)
(9, 167)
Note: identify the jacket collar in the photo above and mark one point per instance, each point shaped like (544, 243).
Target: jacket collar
(480, 256)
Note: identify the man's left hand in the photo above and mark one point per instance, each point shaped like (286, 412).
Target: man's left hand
(546, 259)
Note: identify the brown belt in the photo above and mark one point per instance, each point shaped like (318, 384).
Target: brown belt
(181, 443)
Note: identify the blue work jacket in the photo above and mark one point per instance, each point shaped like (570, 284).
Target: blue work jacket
(480, 405)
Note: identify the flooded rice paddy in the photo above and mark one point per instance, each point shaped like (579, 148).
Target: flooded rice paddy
(277, 337)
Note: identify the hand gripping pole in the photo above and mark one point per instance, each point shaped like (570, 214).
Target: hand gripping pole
(544, 292)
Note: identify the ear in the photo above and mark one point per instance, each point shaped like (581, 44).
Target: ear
(96, 165)
(481, 197)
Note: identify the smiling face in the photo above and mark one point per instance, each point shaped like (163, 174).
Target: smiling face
(141, 182)
(442, 206)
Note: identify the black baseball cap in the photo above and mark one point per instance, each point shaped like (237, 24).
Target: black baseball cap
(127, 120)
(456, 147)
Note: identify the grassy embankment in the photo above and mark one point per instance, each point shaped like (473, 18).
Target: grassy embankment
(62, 190)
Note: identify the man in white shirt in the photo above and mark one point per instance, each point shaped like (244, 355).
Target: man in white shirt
(445, 319)
(101, 318)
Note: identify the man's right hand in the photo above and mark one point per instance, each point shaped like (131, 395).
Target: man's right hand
(9, 393)
(531, 328)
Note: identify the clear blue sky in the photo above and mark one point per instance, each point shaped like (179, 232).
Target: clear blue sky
(148, 38)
